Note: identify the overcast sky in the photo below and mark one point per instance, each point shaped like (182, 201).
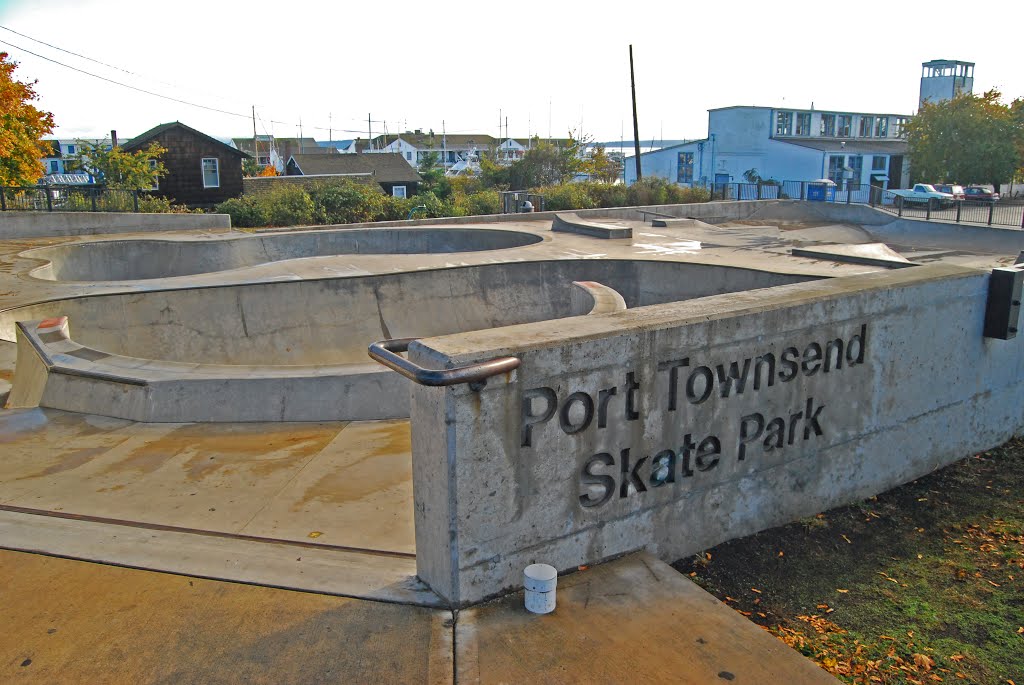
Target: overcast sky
(547, 66)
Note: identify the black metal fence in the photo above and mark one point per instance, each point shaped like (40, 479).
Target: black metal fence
(70, 199)
(961, 211)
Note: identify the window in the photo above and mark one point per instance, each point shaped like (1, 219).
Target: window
(156, 180)
(845, 126)
(408, 156)
(684, 168)
(856, 163)
(881, 127)
(803, 124)
(54, 166)
(398, 191)
(784, 124)
(900, 126)
(828, 125)
(835, 168)
(211, 172)
(865, 126)
(263, 160)
(879, 163)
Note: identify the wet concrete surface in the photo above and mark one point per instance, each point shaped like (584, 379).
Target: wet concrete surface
(334, 483)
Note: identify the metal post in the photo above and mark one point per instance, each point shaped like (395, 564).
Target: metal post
(135, 200)
(758, 191)
(899, 205)
(92, 197)
(636, 126)
(849, 192)
(928, 210)
(991, 209)
(803, 189)
(49, 200)
(959, 204)
(3, 199)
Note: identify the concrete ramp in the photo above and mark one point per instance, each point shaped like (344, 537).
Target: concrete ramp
(572, 223)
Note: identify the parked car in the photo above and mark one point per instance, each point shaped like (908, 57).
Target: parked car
(956, 191)
(925, 194)
(981, 193)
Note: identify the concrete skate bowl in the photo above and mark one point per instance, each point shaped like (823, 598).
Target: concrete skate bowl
(297, 350)
(143, 259)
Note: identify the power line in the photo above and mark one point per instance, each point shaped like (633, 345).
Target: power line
(121, 69)
(155, 94)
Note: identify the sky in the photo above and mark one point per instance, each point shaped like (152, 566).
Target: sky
(546, 67)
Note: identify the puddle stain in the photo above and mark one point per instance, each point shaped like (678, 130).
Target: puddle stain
(69, 462)
(208, 450)
(35, 427)
(387, 464)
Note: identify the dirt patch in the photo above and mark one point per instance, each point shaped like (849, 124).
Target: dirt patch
(922, 584)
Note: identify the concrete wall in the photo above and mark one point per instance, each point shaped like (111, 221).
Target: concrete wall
(40, 224)
(119, 260)
(666, 428)
(331, 321)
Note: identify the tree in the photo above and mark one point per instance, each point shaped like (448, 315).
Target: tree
(968, 139)
(119, 169)
(21, 127)
(546, 164)
(602, 167)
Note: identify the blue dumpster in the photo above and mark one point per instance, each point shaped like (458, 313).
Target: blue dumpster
(821, 191)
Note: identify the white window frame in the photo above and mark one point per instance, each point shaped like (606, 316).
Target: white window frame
(216, 168)
(156, 179)
(395, 192)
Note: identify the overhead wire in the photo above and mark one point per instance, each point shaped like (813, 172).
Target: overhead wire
(148, 91)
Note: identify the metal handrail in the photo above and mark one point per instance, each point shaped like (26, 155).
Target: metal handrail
(476, 375)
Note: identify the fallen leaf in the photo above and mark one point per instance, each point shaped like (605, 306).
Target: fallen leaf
(315, 534)
(582, 568)
(924, 661)
(754, 589)
(841, 590)
(956, 657)
(847, 539)
(781, 554)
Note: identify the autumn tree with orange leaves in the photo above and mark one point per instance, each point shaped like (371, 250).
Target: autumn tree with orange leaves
(21, 127)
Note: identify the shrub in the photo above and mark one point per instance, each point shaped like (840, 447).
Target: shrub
(348, 202)
(244, 212)
(287, 206)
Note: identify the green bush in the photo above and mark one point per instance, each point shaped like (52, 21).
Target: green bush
(244, 212)
(348, 202)
(567, 196)
(288, 205)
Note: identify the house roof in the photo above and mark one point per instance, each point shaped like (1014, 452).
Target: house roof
(386, 167)
(284, 146)
(851, 145)
(818, 110)
(434, 141)
(140, 140)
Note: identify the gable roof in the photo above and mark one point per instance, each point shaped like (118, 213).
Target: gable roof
(386, 167)
(140, 140)
(434, 140)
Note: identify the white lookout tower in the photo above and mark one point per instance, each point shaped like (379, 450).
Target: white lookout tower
(943, 79)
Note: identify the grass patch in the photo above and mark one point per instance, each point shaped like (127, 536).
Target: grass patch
(922, 584)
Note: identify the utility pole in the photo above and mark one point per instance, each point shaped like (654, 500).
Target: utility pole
(255, 147)
(636, 126)
(369, 128)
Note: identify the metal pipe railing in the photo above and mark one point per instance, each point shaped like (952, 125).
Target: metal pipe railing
(476, 375)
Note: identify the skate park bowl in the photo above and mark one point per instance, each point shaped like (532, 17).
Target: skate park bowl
(297, 350)
(144, 259)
